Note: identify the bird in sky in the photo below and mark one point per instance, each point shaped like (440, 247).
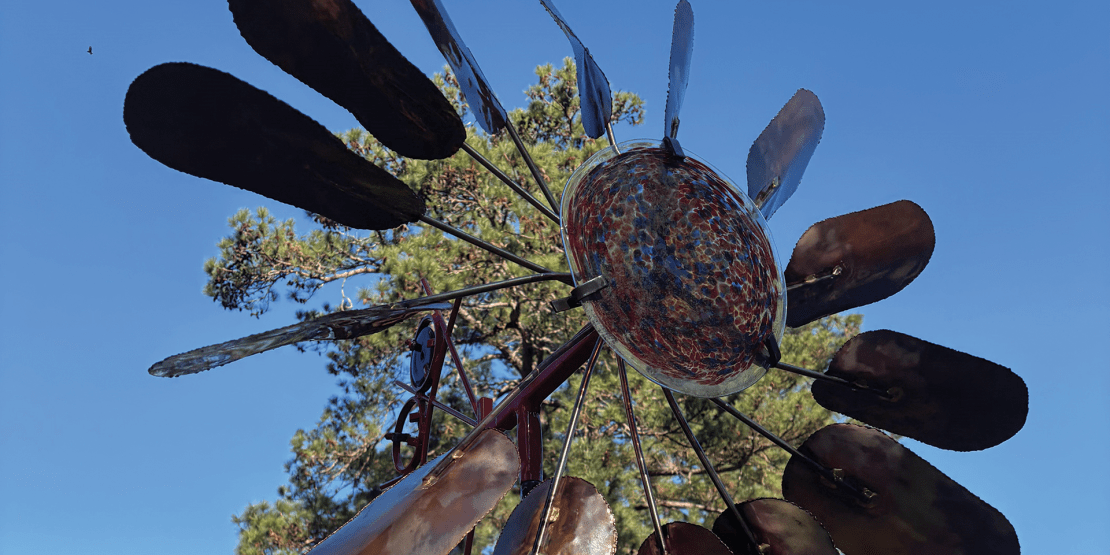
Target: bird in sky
(90, 50)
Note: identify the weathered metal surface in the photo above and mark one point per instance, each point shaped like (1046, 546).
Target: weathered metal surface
(780, 527)
(857, 259)
(780, 154)
(684, 538)
(207, 123)
(331, 46)
(682, 50)
(917, 509)
(414, 516)
(693, 287)
(593, 87)
(936, 395)
(580, 523)
(475, 87)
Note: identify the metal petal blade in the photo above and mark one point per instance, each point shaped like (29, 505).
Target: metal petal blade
(939, 396)
(338, 325)
(483, 102)
(917, 508)
(682, 49)
(684, 538)
(593, 87)
(780, 154)
(856, 259)
(430, 514)
(331, 46)
(583, 522)
(207, 123)
(781, 528)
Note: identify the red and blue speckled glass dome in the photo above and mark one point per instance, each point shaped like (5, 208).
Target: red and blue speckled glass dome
(694, 288)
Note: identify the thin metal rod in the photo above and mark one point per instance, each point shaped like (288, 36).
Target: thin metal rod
(482, 244)
(809, 280)
(821, 469)
(462, 417)
(541, 534)
(717, 483)
(445, 329)
(509, 181)
(612, 138)
(532, 167)
(641, 465)
(484, 288)
(832, 379)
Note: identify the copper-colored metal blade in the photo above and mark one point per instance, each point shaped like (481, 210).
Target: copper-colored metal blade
(936, 395)
(781, 527)
(581, 522)
(338, 325)
(207, 123)
(475, 87)
(682, 50)
(856, 259)
(429, 514)
(593, 87)
(333, 48)
(917, 509)
(684, 538)
(780, 154)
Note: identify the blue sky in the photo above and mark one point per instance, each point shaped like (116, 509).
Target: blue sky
(992, 116)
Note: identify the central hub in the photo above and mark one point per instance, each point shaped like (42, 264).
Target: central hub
(694, 290)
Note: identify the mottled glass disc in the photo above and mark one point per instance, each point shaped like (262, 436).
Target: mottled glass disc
(694, 290)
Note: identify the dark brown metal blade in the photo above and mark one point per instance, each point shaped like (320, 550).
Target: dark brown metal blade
(430, 514)
(856, 259)
(917, 509)
(207, 123)
(333, 48)
(338, 325)
(780, 527)
(684, 538)
(938, 395)
(580, 522)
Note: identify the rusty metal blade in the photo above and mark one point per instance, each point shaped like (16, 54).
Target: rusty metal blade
(684, 538)
(593, 87)
(581, 522)
(207, 123)
(917, 509)
(856, 259)
(780, 154)
(682, 50)
(781, 528)
(331, 46)
(430, 514)
(936, 395)
(337, 325)
(475, 87)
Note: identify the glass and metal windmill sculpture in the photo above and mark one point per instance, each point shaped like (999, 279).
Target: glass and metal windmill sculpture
(673, 265)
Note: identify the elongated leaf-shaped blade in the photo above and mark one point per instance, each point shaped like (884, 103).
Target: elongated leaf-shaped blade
(684, 538)
(593, 87)
(917, 509)
(939, 396)
(780, 154)
(475, 87)
(856, 259)
(333, 48)
(337, 325)
(581, 521)
(780, 527)
(206, 123)
(429, 514)
(682, 49)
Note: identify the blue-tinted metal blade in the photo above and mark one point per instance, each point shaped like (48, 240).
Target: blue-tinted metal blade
(487, 109)
(593, 87)
(779, 156)
(682, 48)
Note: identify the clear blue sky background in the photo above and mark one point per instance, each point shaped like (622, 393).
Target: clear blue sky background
(993, 116)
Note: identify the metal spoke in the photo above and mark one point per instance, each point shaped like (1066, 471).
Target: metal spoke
(482, 244)
(516, 187)
(532, 167)
(640, 463)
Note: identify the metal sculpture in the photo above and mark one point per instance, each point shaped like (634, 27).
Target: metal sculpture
(656, 240)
